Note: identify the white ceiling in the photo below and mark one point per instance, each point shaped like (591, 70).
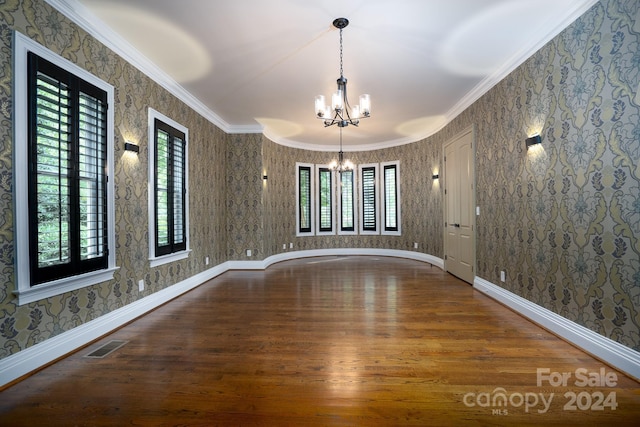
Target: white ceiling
(258, 64)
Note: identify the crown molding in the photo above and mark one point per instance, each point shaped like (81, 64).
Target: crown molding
(549, 30)
(332, 147)
(80, 15)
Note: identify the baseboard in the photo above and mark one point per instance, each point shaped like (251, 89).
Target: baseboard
(39, 355)
(35, 357)
(611, 352)
(418, 256)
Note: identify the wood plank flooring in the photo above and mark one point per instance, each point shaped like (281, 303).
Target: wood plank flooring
(332, 341)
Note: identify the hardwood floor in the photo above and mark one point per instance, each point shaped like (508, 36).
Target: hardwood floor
(334, 341)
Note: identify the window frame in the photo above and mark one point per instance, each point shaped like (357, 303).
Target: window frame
(354, 203)
(325, 231)
(376, 192)
(311, 230)
(390, 231)
(24, 290)
(155, 259)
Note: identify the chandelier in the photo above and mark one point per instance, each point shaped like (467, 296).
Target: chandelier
(341, 165)
(338, 112)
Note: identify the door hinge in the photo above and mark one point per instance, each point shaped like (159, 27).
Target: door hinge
(445, 257)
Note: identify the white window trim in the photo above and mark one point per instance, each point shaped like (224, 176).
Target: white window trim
(313, 206)
(24, 291)
(315, 194)
(355, 206)
(382, 216)
(155, 261)
(361, 205)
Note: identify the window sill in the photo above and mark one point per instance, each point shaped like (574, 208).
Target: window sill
(61, 286)
(165, 259)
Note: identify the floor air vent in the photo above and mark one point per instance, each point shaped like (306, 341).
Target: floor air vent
(106, 349)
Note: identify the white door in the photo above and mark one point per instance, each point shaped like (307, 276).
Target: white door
(459, 173)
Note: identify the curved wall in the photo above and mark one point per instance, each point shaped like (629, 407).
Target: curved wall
(562, 222)
(421, 197)
(563, 225)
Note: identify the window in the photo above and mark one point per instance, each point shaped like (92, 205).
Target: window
(347, 203)
(168, 200)
(369, 211)
(64, 156)
(391, 198)
(325, 200)
(304, 199)
(333, 200)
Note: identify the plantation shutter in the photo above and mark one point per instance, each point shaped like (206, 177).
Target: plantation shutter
(369, 199)
(325, 196)
(170, 189)
(346, 201)
(67, 179)
(304, 197)
(390, 198)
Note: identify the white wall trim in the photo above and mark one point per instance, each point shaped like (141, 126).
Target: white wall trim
(26, 293)
(19, 364)
(37, 356)
(611, 352)
(286, 256)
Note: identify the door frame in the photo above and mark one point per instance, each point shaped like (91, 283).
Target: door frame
(468, 130)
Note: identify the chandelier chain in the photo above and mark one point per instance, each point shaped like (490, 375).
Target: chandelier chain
(340, 52)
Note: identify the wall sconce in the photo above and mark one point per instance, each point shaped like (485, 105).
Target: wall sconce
(436, 176)
(535, 139)
(130, 146)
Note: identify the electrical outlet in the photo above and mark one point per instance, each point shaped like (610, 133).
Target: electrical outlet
(291, 245)
(248, 252)
(284, 246)
(206, 260)
(415, 245)
(502, 276)
(140, 285)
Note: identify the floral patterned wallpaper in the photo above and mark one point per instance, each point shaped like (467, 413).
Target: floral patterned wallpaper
(563, 222)
(422, 217)
(23, 326)
(244, 199)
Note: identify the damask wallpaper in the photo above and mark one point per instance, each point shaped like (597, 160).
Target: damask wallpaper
(422, 218)
(244, 200)
(23, 326)
(562, 222)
